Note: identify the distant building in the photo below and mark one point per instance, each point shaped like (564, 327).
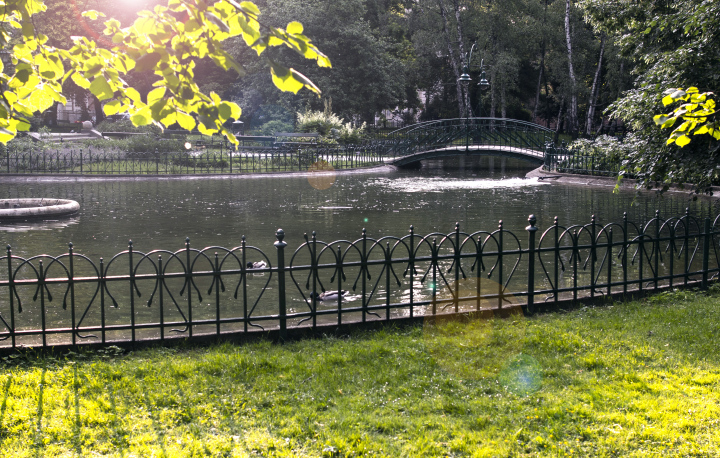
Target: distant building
(79, 108)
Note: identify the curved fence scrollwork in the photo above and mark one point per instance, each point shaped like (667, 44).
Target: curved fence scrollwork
(160, 294)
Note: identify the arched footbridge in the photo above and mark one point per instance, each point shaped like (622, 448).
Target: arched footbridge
(468, 137)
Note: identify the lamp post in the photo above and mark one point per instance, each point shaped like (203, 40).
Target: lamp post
(465, 81)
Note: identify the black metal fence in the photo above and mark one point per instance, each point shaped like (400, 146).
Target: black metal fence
(135, 295)
(564, 161)
(248, 159)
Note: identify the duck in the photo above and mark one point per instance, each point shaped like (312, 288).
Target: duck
(256, 265)
(327, 295)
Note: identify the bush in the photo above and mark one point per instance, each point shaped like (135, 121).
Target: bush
(602, 147)
(125, 125)
(330, 127)
(270, 127)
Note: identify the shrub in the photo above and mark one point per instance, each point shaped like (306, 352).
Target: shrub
(330, 126)
(270, 127)
(603, 147)
(125, 125)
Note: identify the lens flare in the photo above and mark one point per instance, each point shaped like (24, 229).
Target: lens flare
(476, 345)
(322, 175)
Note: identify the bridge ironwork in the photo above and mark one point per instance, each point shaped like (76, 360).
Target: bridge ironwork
(473, 136)
(427, 140)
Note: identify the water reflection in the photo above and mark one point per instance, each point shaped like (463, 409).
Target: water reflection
(38, 225)
(161, 213)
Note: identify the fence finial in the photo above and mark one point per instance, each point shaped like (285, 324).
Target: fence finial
(532, 220)
(280, 234)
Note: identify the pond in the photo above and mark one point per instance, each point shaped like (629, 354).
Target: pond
(160, 213)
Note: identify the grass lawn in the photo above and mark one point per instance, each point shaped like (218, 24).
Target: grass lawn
(633, 379)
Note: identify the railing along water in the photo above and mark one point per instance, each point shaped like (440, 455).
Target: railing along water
(156, 295)
(224, 160)
(563, 161)
(427, 140)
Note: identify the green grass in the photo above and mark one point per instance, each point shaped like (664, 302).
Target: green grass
(634, 379)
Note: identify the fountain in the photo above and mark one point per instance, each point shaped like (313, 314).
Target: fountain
(23, 209)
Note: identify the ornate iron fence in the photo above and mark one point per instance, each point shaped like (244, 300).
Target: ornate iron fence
(563, 161)
(248, 159)
(135, 295)
(265, 154)
(496, 132)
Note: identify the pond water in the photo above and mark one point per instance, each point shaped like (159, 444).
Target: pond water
(160, 213)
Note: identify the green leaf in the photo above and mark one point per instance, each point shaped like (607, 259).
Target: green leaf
(249, 7)
(284, 80)
(101, 89)
(186, 121)
(219, 23)
(112, 107)
(155, 95)
(133, 94)
(294, 27)
(80, 80)
(305, 81)
(660, 119)
(142, 117)
(6, 135)
(702, 130)
(147, 62)
(92, 14)
(682, 140)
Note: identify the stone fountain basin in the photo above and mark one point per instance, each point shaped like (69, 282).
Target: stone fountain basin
(13, 209)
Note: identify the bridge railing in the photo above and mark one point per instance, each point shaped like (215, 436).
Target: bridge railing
(461, 132)
(137, 295)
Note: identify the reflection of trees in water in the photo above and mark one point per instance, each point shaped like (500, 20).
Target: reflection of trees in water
(161, 212)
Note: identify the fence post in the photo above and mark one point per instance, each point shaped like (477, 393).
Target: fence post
(706, 253)
(282, 315)
(132, 290)
(72, 293)
(11, 289)
(530, 307)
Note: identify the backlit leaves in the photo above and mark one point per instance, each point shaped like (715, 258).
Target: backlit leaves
(697, 113)
(165, 41)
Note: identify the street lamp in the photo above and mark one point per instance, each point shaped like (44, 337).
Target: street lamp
(465, 81)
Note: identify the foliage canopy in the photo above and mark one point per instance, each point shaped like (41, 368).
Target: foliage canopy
(166, 41)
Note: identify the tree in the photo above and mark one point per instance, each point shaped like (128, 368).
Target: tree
(167, 41)
(368, 73)
(671, 44)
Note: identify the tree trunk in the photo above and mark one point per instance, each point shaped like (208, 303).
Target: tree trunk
(558, 126)
(99, 113)
(542, 69)
(573, 108)
(503, 104)
(453, 61)
(539, 85)
(463, 57)
(595, 89)
(493, 100)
